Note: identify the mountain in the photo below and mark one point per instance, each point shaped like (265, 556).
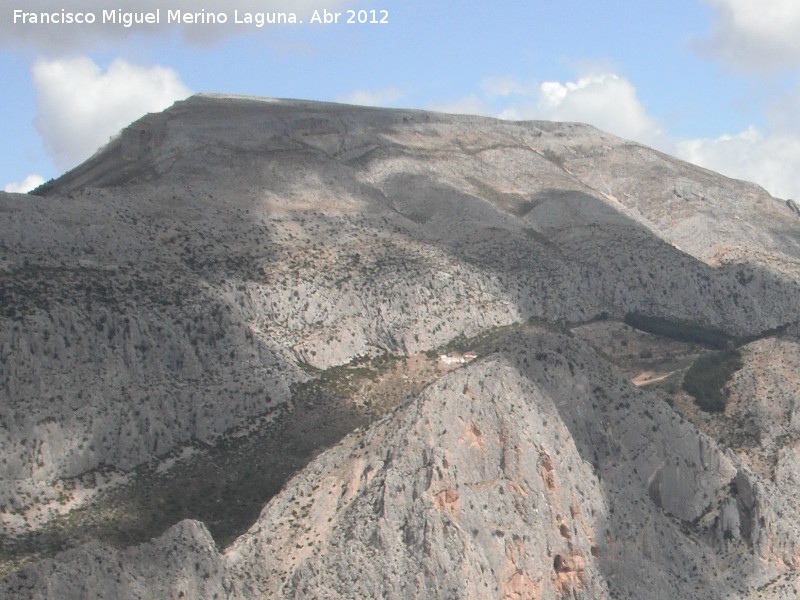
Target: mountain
(449, 356)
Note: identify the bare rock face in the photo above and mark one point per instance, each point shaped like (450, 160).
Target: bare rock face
(529, 474)
(186, 281)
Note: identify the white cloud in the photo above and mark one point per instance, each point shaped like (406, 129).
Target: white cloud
(80, 36)
(607, 101)
(754, 34)
(771, 160)
(24, 186)
(80, 106)
(385, 97)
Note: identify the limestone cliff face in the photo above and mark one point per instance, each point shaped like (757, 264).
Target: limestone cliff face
(535, 473)
(183, 282)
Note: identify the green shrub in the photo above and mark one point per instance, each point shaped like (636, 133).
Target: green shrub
(678, 330)
(708, 375)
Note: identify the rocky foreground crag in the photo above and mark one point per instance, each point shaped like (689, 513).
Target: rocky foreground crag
(232, 263)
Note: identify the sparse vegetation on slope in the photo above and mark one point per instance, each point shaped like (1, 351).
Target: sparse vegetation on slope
(225, 485)
(485, 339)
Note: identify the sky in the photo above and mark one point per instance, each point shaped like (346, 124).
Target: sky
(714, 82)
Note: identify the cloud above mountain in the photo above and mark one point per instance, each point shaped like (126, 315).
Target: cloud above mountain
(770, 159)
(80, 105)
(607, 100)
(26, 185)
(386, 97)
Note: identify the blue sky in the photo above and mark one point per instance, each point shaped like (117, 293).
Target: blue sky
(711, 81)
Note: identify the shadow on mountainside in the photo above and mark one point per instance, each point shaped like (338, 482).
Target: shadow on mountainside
(224, 485)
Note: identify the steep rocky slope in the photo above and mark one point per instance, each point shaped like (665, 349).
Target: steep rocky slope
(216, 266)
(535, 472)
(527, 474)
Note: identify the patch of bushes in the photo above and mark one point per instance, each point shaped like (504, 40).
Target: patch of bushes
(477, 343)
(708, 375)
(341, 380)
(677, 330)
